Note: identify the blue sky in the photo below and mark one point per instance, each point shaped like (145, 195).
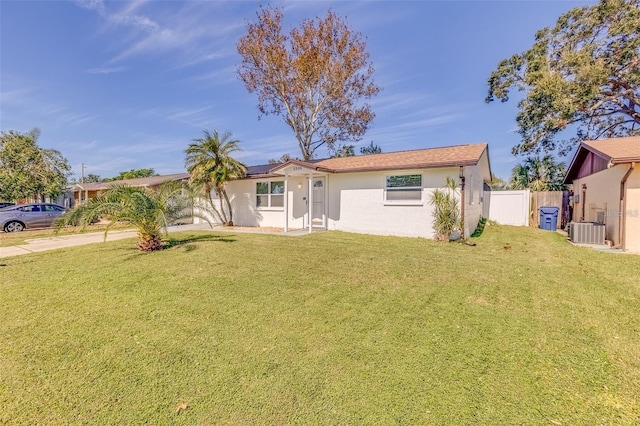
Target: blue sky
(128, 84)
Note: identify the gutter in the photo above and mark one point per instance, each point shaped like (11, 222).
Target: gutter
(622, 220)
(405, 167)
(462, 200)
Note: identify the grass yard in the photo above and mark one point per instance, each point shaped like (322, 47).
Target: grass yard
(330, 328)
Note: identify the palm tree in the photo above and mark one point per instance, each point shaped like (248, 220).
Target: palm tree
(211, 166)
(149, 211)
(539, 174)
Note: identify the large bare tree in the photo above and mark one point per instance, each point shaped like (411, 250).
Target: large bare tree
(318, 77)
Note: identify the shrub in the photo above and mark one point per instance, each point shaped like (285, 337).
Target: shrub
(446, 214)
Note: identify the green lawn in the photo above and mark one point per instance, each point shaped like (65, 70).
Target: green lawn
(330, 328)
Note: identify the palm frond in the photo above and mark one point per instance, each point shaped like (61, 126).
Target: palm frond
(210, 163)
(151, 212)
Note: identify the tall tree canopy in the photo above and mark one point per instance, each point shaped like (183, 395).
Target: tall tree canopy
(370, 149)
(497, 183)
(315, 77)
(539, 174)
(344, 151)
(27, 170)
(92, 178)
(132, 174)
(211, 165)
(283, 159)
(584, 72)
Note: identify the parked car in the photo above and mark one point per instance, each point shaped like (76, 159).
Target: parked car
(24, 216)
(5, 204)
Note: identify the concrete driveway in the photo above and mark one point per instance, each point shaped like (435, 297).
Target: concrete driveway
(56, 242)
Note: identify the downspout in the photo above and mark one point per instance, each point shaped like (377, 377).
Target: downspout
(286, 201)
(310, 202)
(462, 179)
(622, 217)
(584, 202)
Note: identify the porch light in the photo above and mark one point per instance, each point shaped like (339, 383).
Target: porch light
(299, 185)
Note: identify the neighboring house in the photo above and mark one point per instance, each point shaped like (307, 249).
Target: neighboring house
(384, 194)
(606, 185)
(85, 191)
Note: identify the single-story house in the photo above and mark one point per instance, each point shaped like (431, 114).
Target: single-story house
(84, 191)
(384, 194)
(606, 183)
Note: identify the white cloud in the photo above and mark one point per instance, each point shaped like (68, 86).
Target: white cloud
(73, 119)
(97, 5)
(218, 76)
(17, 96)
(199, 117)
(191, 30)
(34, 107)
(105, 70)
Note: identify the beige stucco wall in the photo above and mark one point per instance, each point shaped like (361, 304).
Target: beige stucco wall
(603, 194)
(632, 210)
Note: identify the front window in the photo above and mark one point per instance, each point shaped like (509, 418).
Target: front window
(404, 189)
(270, 194)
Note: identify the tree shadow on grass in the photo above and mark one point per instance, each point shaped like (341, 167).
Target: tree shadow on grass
(186, 243)
(177, 242)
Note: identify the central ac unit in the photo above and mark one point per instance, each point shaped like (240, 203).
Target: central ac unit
(587, 232)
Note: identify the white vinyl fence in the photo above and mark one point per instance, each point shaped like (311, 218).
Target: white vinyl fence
(508, 207)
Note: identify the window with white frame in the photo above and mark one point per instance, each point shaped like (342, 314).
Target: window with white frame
(270, 194)
(403, 189)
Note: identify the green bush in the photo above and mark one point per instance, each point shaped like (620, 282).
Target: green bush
(446, 214)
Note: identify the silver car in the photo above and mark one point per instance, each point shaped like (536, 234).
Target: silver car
(25, 216)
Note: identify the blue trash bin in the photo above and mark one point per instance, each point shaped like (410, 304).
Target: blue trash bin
(549, 218)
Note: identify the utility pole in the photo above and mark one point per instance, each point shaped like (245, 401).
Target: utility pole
(82, 173)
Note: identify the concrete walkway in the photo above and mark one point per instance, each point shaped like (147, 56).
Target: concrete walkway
(70, 240)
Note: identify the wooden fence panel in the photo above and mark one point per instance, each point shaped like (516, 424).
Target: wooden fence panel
(548, 199)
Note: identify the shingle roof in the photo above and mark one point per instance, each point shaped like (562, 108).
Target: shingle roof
(147, 181)
(264, 170)
(617, 150)
(450, 156)
(613, 150)
(459, 155)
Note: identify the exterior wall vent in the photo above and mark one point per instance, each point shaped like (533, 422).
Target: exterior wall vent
(587, 232)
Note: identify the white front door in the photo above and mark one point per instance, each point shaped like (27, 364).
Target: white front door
(318, 213)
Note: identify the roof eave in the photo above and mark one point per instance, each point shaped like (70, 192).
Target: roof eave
(571, 170)
(409, 167)
(309, 166)
(625, 160)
